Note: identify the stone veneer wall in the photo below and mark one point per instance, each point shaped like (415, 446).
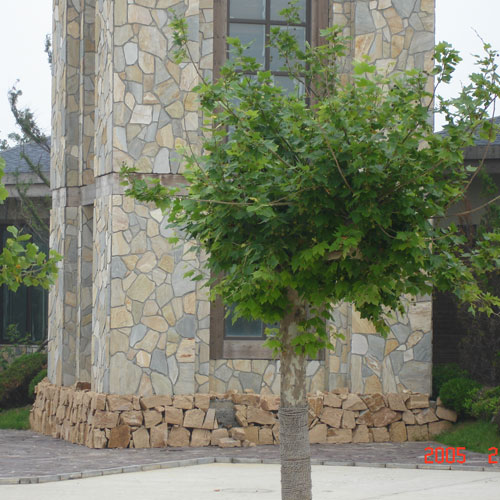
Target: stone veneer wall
(119, 421)
(119, 97)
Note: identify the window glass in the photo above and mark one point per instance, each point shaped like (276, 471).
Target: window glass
(254, 33)
(278, 5)
(242, 327)
(247, 9)
(277, 63)
(289, 85)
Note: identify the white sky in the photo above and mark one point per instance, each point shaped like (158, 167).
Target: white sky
(24, 24)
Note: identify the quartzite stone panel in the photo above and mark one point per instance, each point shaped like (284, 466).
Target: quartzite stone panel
(131, 103)
(396, 35)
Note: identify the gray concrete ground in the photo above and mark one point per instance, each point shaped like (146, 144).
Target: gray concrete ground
(262, 482)
(36, 466)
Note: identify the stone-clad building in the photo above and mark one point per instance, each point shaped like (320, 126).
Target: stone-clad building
(121, 315)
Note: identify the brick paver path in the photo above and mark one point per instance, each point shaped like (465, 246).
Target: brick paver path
(25, 454)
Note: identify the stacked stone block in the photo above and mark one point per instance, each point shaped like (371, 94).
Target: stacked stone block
(97, 420)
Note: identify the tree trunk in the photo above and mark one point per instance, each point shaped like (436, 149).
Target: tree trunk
(293, 414)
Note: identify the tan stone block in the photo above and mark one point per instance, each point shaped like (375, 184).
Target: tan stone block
(360, 325)
(252, 434)
(98, 402)
(153, 401)
(159, 436)
(332, 400)
(366, 418)
(138, 14)
(194, 418)
(228, 443)
(209, 422)
(396, 402)
(152, 418)
(318, 433)
(104, 419)
(186, 351)
(393, 20)
(200, 437)
(331, 416)
(397, 432)
(156, 323)
(133, 418)
(409, 418)
(217, 435)
(143, 359)
(184, 401)
(238, 433)
(141, 438)
(427, 6)
(270, 402)
(436, 428)
(179, 436)
(361, 435)
(390, 345)
(362, 46)
(384, 417)
(337, 436)
(202, 401)
(373, 385)
(119, 437)
(165, 137)
(354, 403)
(315, 405)
(374, 402)
(266, 436)
(120, 317)
(380, 434)
(173, 415)
(119, 403)
(417, 401)
(348, 420)
(167, 263)
(417, 432)
(260, 416)
(397, 45)
(426, 416)
(245, 399)
(446, 414)
(99, 439)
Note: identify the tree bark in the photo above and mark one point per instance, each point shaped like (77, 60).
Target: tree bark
(293, 414)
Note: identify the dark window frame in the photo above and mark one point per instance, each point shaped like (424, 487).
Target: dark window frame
(318, 10)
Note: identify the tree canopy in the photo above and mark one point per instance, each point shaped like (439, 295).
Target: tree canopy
(335, 192)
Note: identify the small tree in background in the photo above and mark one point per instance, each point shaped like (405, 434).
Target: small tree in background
(32, 210)
(302, 201)
(21, 262)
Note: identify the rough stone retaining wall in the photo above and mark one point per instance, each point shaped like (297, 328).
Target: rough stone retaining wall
(232, 419)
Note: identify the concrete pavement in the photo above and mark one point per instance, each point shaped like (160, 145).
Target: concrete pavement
(219, 481)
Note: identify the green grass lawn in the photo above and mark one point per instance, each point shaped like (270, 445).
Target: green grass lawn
(16, 418)
(474, 435)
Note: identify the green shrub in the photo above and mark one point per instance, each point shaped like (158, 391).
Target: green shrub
(457, 393)
(16, 418)
(485, 405)
(16, 378)
(38, 378)
(443, 372)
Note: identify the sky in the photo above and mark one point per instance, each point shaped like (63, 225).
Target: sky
(23, 57)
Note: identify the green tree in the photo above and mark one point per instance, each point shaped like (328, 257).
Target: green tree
(303, 200)
(21, 262)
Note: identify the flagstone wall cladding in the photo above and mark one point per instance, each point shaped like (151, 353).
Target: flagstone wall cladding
(119, 97)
